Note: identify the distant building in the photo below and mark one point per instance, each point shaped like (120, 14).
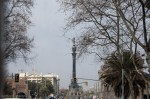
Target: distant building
(17, 87)
(35, 77)
(24, 78)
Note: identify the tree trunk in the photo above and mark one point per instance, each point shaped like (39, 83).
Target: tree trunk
(131, 90)
(130, 80)
(1, 54)
(148, 60)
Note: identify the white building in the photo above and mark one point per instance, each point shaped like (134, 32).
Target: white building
(35, 77)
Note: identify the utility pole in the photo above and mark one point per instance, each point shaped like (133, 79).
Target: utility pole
(120, 49)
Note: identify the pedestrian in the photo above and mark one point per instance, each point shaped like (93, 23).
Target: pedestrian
(101, 97)
(51, 97)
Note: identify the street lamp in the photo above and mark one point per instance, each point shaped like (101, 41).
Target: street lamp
(57, 87)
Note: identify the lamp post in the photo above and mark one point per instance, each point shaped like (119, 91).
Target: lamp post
(122, 68)
(45, 89)
(120, 49)
(57, 87)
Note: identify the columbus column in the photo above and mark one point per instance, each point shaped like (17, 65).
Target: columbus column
(74, 88)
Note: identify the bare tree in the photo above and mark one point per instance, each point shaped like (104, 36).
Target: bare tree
(17, 44)
(101, 25)
(109, 25)
(138, 25)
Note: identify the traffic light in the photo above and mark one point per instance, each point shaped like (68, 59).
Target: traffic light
(74, 78)
(17, 77)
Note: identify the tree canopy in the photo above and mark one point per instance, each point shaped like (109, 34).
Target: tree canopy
(108, 25)
(40, 89)
(17, 44)
(46, 88)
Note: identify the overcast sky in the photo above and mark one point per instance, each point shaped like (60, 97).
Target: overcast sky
(52, 49)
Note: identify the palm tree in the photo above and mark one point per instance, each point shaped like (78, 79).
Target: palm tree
(134, 80)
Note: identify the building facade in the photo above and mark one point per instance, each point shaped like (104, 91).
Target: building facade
(35, 77)
(24, 78)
